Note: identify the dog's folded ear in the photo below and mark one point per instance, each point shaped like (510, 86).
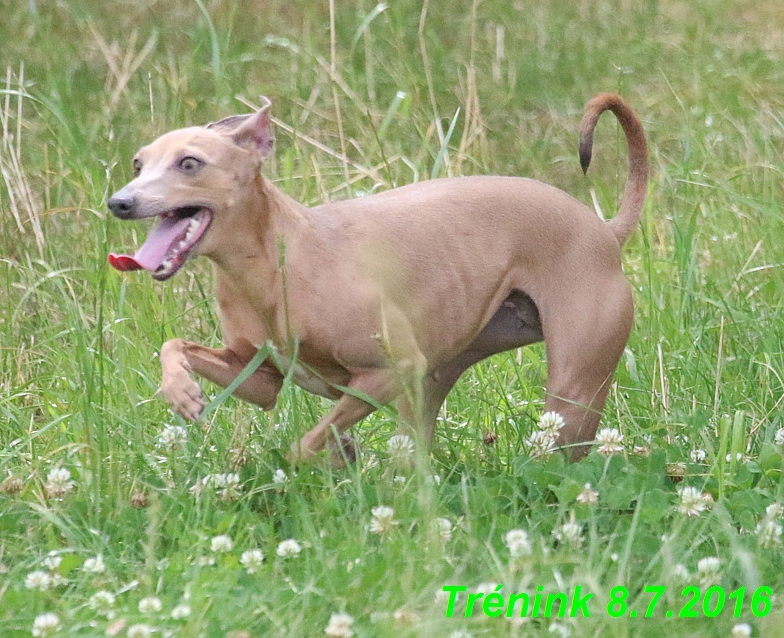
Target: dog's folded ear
(252, 131)
(228, 124)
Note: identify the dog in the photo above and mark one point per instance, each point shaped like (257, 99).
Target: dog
(389, 296)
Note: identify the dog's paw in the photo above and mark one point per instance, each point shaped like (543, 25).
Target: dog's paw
(299, 455)
(343, 452)
(183, 395)
(336, 454)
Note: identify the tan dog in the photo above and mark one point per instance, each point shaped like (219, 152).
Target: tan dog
(393, 295)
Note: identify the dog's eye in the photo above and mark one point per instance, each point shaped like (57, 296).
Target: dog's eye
(190, 164)
(137, 167)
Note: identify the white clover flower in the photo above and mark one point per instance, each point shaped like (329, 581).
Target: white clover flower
(461, 633)
(401, 451)
(58, 580)
(560, 629)
(383, 521)
(38, 580)
(641, 450)
(199, 486)
(768, 534)
(173, 437)
(517, 542)
(741, 630)
(444, 527)
(610, 441)
(709, 571)
(102, 602)
(692, 503)
(540, 443)
(371, 463)
(204, 561)
(251, 560)
(218, 480)
(486, 588)
(571, 533)
(58, 483)
(551, 423)
(279, 477)
(181, 611)
(698, 456)
(588, 496)
(45, 624)
(400, 479)
(288, 548)
(227, 486)
(221, 544)
(433, 479)
(680, 573)
(442, 597)
(779, 438)
(773, 511)
(94, 565)
(150, 605)
(139, 631)
(52, 561)
(339, 626)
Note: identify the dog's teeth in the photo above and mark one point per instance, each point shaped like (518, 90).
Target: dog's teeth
(192, 228)
(167, 264)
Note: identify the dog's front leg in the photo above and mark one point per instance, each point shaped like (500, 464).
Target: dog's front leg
(179, 358)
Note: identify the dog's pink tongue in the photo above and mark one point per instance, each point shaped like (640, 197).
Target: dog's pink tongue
(123, 262)
(153, 251)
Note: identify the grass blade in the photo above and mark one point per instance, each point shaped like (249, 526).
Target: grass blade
(248, 370)
(443, 150)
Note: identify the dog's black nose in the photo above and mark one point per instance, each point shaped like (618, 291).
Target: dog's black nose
(122, 206)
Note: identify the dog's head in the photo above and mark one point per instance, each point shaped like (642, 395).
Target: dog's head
(191, 180)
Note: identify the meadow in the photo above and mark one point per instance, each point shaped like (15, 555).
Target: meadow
(119, 519)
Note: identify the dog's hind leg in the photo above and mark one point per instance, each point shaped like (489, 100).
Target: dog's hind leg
(515, 324)
(179, 358)
(585, 334)
(435, 388)
(379, 385)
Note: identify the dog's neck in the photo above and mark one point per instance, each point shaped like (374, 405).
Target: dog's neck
(256, 260)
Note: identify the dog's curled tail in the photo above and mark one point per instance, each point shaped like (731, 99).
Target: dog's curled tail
(624, 223)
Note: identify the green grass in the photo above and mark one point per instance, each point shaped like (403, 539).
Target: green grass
(78, 365)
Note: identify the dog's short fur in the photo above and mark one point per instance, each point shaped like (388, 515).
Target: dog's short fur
(393, 295)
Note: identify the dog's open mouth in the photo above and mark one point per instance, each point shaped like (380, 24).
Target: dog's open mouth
(168, 244)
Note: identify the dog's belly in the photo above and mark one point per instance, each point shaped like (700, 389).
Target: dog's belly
(304, 378)
(516, 323)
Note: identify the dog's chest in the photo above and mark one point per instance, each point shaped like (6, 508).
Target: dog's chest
(303, 377)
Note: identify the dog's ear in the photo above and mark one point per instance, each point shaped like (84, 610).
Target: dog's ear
(228, 124)
(253, 131)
